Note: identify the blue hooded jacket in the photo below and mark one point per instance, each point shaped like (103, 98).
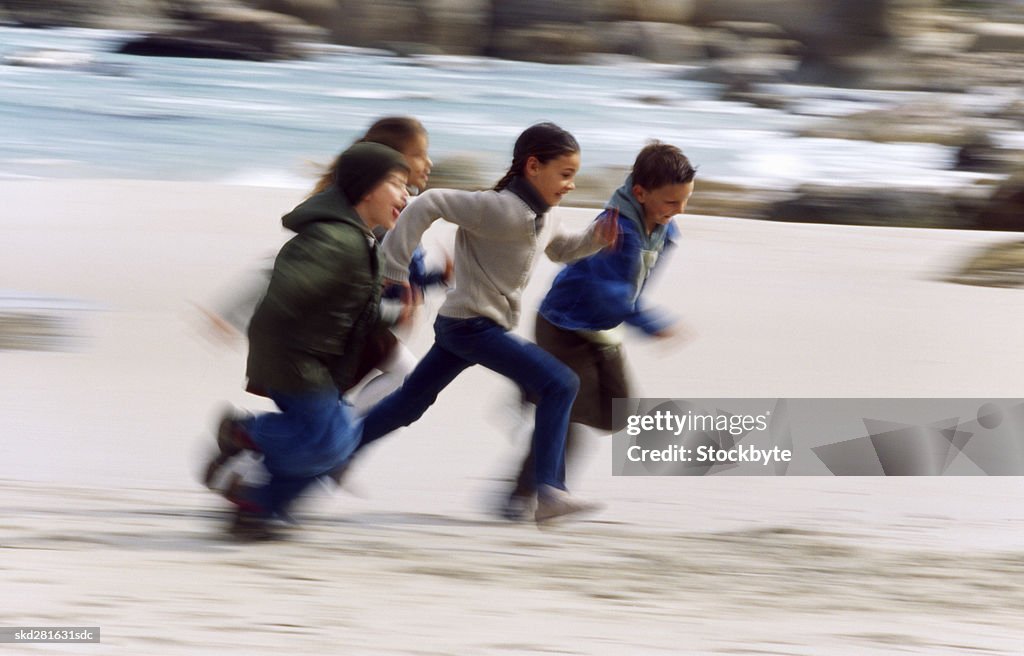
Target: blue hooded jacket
(603, 290)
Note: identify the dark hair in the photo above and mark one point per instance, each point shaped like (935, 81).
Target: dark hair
(545, 141)
(396, 132)
(364, 166)
(660, 164)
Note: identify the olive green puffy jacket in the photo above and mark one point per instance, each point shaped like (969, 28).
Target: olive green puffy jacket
(322, 302)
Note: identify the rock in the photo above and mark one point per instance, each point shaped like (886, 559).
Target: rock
(740, 74)
(459, 171)
(544, 42)
(979, 152)
(998, 37)
(110, 14)
(321, 13)
(742, 39)
(595, 186)
(997, 265)
(517, 14)
(556, 26)
(826, 27)
(751, 29)
(715, 198)
(664, 11)
(659, 42)
(190, 44)
(1005, 210)
(1012, 111)
(874, 206)
(833, 34)
(229, 33)
(459, 27)
(753, 94)
(933, 120)
(374, 24)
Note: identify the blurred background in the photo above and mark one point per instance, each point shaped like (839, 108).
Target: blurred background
(865, 112)
(878, 112)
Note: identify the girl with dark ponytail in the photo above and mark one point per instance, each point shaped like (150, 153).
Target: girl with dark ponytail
(544, 142)
(499, 233)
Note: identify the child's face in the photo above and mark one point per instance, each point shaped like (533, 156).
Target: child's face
(415, 154)
(554, 178)
(382, 205)
(661, 204)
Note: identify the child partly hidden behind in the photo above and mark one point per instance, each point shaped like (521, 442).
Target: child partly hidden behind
(581, 319)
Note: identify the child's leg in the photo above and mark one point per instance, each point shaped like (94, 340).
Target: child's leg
(541, 374)
(579, 355)
(398, 364)
(276, 497)
(376, 349)
(435, 371)
(613, 383)
(526, 485)
(313, 433)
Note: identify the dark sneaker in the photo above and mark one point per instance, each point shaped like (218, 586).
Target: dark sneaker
(515, 508)
(250, 526)
(232, 436)
(232, 439)
(553, 503)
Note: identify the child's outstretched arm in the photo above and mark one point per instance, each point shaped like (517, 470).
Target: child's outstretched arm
(462, 208)
(601, 233)
(231, 313)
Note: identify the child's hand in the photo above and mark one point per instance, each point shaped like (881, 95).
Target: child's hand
(675, 333)
(606, 232)
(217, 328)
(406, 296)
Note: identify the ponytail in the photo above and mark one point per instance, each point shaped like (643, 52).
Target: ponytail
(545, 141)
(507, 178)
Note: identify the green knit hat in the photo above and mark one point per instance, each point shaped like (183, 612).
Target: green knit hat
(363, 166)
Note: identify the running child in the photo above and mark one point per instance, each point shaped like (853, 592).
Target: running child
(384, 352)
(499, 234)
(308, 332)
(582, 317)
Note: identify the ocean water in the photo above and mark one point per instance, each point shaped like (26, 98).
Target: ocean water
(121, 116)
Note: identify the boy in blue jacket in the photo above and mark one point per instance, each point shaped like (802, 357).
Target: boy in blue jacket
(581, 319)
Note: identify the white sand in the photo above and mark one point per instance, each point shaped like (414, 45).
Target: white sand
(104, 523)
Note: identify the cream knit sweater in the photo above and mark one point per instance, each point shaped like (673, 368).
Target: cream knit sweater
(495, 249)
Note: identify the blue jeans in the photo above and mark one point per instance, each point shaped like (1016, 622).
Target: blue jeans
(462, 343)
(312, 435)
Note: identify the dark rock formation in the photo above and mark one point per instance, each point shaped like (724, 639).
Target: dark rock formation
(1005, 210)
(872, 206)
(233, 33)
(116, 14)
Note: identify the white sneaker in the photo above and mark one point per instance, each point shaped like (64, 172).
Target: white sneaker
(553, 503)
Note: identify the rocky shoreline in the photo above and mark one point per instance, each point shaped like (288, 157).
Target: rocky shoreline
(959, 63)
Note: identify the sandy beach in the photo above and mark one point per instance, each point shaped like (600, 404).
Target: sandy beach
(105, 524)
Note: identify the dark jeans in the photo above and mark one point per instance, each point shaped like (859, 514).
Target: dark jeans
(462, 343)
(313, 434)
(602, 373)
